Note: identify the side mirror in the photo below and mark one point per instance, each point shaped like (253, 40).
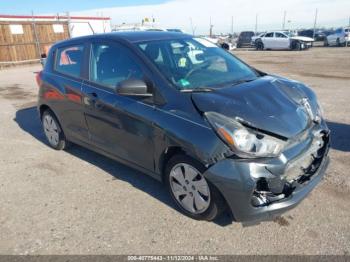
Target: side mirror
(133, 87)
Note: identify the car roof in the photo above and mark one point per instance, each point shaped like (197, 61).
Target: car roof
(130, 36)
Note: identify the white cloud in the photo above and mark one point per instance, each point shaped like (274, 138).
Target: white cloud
(177, 13)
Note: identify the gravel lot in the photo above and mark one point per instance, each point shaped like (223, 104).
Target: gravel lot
(78, 202)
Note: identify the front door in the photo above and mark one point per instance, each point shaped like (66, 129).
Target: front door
(281, 41)
(117, 124)
(268, 41)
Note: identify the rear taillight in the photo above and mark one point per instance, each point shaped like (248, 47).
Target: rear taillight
(38, 78)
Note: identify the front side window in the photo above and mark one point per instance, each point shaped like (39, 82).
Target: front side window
(269, 35)
(111, 64)
(280, 35)
(192, 63)
(69, 60)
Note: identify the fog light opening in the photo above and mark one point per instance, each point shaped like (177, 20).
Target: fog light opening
(262, 196)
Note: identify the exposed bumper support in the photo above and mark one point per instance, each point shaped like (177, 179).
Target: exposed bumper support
(237, 180)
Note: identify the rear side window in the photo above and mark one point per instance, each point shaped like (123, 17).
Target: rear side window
(69, 60)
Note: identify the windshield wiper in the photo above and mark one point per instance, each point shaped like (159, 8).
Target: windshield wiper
(197, 90)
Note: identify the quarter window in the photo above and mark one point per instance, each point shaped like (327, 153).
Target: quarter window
(112, 64)
(69, 60)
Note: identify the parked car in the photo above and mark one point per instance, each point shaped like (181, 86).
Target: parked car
(245, 38)
(220, 42)
(341, 37)
(176, 30)
(319, 34)
(220, 134)
(279, 40)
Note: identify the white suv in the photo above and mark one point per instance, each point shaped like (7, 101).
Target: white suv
(341, 37)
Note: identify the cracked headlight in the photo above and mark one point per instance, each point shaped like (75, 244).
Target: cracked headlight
(243, 141)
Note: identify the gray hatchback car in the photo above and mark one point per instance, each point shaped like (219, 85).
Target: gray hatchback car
(220, 134)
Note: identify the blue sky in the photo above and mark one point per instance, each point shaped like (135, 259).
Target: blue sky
(23, 7)
(179, 13)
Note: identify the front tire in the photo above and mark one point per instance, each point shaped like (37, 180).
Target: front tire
(194, 195)
(325, 43)
(53, 131)
(297, 46)
(338, 43)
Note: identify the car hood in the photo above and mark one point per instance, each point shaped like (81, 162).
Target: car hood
(269, 103)
(303, 38)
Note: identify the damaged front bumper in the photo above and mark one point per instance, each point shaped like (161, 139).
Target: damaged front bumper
(261, 189)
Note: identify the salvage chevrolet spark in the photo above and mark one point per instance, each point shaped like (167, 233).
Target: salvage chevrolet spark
(220, 134)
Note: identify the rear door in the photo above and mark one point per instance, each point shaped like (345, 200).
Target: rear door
(63, 93)
(281, 41)
(117, 124)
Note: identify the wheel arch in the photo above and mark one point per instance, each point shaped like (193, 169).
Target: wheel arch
(42, 109)
(175, 151)
(167, 154)
(293, 44)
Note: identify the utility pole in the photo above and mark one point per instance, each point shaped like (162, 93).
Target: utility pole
(192, 27)
(37, 41)
(256, 24)
(210, 28)
(315, 23)
(231, 25)
(284, 20)
(69, 25)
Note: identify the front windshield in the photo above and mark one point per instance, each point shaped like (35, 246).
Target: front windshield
(194, 63)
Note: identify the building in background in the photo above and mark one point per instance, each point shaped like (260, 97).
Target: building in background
(27, 38)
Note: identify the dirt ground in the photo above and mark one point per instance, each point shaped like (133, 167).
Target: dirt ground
(78, 202)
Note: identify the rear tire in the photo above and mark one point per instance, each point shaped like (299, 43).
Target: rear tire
(53, 131)
(194, 195)
(225, 46)
(259, 46)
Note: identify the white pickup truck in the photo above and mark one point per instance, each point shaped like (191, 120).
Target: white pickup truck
(279, 40)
